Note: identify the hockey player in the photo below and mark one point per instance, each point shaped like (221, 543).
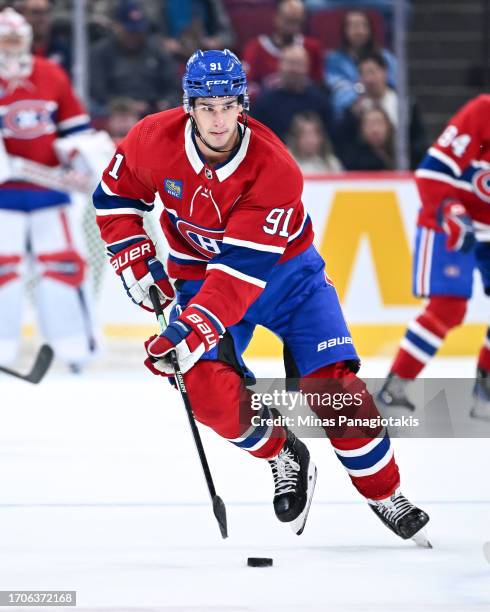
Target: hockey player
(38, 110)
(453, 180)
(240, 249)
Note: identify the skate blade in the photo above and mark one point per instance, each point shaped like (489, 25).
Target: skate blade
(299, 523)
(481, 416)
(421, 539)
(394, 405)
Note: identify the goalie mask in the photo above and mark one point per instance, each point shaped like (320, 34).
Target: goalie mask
(15, 45)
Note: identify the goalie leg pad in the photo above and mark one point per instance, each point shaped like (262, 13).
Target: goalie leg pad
(9, 268)
(11, 292)
(365, 453)
(62, 294)
(221, 401)
(65, 267)
(13, 238)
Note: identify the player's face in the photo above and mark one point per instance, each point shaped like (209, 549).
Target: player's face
(13, 56)
(216, 120)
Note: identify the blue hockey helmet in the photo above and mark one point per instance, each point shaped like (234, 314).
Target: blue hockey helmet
(214, 74)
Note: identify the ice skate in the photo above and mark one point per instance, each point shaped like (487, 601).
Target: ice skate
(294, 482)
(402, 517)
(481, 396)
(393, 393)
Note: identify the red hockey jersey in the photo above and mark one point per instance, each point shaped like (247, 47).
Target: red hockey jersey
(458, 166)
(229, 224)
(36, 110)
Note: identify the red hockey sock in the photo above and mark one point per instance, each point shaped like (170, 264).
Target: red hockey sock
(484, 358)
(426, 334)
(369, 461)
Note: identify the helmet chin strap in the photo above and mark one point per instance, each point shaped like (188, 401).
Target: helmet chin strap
(215, 149)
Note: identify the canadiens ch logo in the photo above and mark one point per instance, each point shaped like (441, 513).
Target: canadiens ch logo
(28, 119)
(481, 184)
(174, 188)
(206, 241)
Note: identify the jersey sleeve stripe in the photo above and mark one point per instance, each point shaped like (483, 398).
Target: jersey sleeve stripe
(68, 124)
(119, 211)
(75, 130)
(443, 178)
(105, 188)
(235, 273)
(120, 245)
(306, 219)
(256, 264)
(445, 159)
(184, 257)
(430, 162)
(257, 246)
(214, 319)
(106, 200)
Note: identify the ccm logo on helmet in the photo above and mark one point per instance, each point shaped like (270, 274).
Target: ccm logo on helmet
(203, 328)
(134, 254)
(217, 82)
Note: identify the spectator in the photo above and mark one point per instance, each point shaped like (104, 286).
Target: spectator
(261, 55)
(123, 114)
(373, 148)
(377, 93)
(341, 71)
(187, 25)
(49, 40)
(131, 64)
(311, 146)
(294, 93)
(384, 7)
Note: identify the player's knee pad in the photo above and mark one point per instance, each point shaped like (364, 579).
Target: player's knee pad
(215, 392)
(9, 268)
(445, 312)
(67, 267)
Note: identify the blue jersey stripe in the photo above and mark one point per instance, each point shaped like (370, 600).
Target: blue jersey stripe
(435, 165)
(251, 262)
(102, 201)
(75, 129)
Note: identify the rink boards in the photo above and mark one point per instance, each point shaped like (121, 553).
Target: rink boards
(364, 226)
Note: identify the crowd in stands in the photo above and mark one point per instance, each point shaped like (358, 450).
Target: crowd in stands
(320, 72)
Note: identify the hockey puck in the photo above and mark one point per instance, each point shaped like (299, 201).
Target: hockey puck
(259, 562)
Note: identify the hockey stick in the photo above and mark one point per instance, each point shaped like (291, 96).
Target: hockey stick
(219, 508)
(38, 370)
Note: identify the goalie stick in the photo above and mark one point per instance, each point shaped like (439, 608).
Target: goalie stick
(219, 508)
(39, 368)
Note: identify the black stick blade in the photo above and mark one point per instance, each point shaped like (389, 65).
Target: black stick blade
(41, 365)
(220, 514)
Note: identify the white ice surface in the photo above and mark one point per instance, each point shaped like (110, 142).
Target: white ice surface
(101, 492)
